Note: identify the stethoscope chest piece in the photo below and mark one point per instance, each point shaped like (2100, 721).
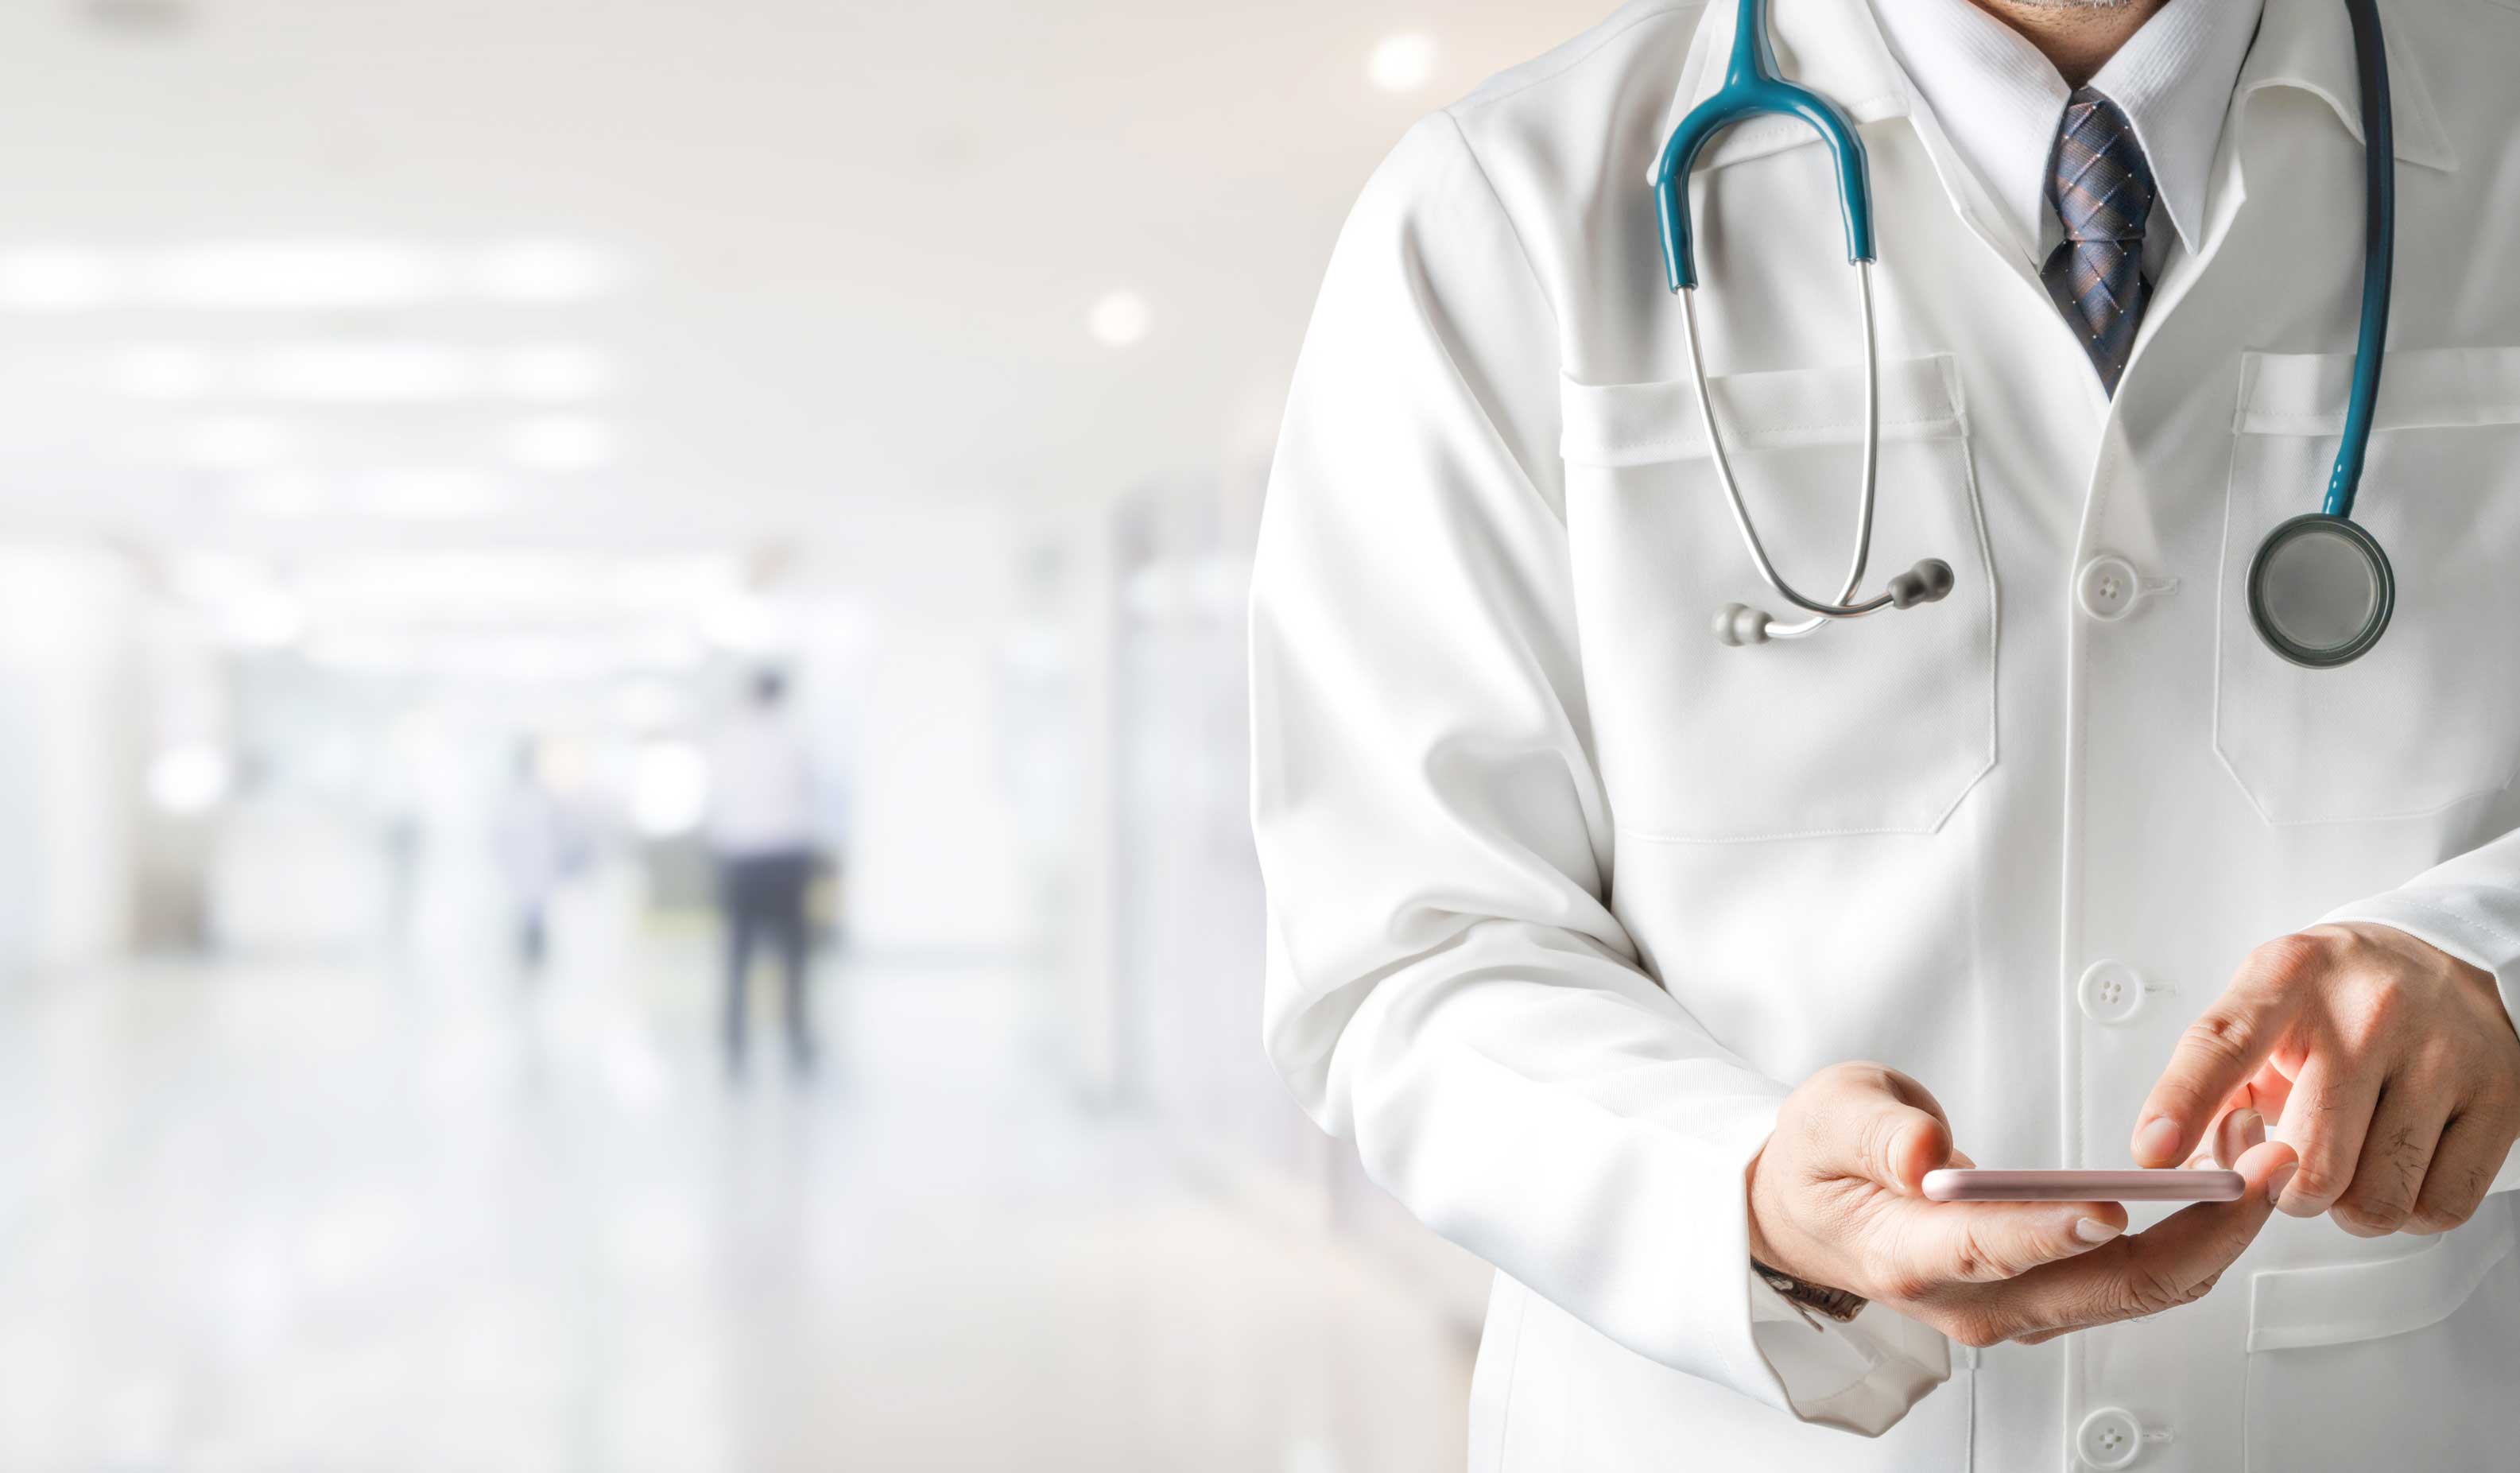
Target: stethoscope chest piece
(2321, 591)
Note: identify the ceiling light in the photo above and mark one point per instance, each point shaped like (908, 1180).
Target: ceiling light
(561, 443)
(1119, 319)
(358, 372)
(553, 372)
(1403, 63)
(339, 371)
(541, 271)
(161, 371)
(237, 442)
(51, 280)
(295, 275)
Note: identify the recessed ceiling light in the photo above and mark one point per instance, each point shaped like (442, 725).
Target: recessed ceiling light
(561, 443)
(553, 372)
(51, 278)
(542, 270)
(302, 275)
(358, 372)
(299, 274)
(1403, 63)
(1119, 319)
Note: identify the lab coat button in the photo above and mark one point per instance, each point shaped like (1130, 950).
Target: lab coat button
(2109, 588)
(2110, 1438)
(2110, 992)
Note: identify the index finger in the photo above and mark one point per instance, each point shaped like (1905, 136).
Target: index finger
(2172, 1263)
(2220, 1052)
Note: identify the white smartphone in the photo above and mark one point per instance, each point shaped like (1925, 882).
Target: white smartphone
(2083, 1187)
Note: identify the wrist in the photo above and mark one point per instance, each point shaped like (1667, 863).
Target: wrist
(1776, 1250)
(1762, 1248)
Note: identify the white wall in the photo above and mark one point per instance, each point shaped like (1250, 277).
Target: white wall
(932, 861)
(70, 729)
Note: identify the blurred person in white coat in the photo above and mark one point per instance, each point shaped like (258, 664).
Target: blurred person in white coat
(1658, 972)
(538, 849)
(761, 827)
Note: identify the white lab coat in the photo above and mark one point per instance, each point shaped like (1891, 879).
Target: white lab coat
(1564, 896)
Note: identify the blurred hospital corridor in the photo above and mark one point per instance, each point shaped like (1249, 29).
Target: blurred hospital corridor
(503, 506)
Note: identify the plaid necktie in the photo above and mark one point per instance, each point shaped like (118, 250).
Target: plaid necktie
(2101, 188)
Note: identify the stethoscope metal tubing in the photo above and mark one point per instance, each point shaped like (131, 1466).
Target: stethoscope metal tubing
(1843, 605)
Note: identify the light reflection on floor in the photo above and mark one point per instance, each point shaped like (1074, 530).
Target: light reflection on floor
(282, 1217)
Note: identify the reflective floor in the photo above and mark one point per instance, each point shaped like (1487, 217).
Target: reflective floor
(426, 1214)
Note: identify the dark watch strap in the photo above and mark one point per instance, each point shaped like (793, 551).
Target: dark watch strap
(1837, 1304)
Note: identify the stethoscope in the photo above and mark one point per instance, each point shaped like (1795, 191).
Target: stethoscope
(2320, 590)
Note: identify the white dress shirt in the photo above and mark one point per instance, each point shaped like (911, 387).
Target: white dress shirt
(2001, 102)
(761, 789)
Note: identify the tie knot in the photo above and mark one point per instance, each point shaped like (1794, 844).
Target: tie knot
(2101, 186)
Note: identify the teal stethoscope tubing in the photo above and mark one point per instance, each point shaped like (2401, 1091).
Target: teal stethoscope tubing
(2379, 252)
(1752, 88)
(2290, 559)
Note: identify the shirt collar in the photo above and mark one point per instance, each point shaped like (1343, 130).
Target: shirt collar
(2310, 45)
(2000, 101)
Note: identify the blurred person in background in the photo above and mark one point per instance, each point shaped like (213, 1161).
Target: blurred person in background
(536, 851)
(761, 829)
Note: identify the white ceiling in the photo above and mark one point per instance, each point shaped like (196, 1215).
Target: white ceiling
(848, 251)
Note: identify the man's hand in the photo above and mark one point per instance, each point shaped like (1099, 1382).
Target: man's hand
(2390, 1068)
(1837, 1198)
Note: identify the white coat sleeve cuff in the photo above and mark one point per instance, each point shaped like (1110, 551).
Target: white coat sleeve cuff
(2477, 923)
(1862, 1376)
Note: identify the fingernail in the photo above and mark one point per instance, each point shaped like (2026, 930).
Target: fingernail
(2158, 1140)
(2282, 1178)
(2241, 1132)
(2095, 1231)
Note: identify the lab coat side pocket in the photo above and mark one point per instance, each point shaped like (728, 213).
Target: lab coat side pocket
(2400, 1363)
(1879, 724)
(2431, 716)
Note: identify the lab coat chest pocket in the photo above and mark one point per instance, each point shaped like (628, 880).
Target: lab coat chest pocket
(2431, 715)
(1877, 725)
(2404, 1363)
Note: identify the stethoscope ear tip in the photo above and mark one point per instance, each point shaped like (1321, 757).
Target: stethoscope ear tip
(1738, 624)
(1928, 582)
